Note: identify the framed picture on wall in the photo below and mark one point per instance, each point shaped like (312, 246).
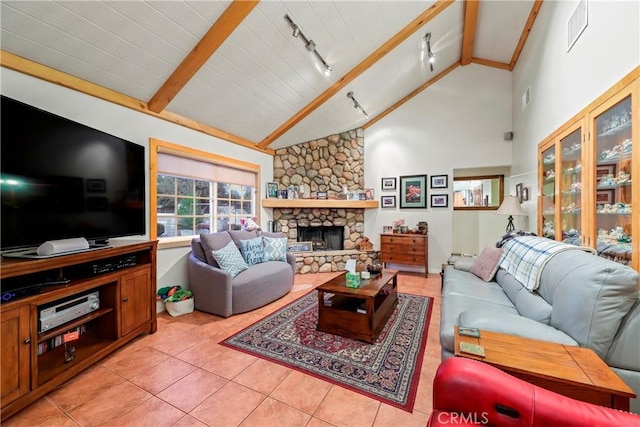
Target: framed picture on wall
(413, 191)
(519, 192)
(389, 183)
(439, 200)
(439, 181)
(388, 201)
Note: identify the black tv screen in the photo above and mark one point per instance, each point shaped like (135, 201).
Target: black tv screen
(61, 179)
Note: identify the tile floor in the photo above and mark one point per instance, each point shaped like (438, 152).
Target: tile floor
(180, 376)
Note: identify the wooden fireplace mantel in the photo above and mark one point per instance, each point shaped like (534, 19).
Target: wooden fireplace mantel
(319, 203)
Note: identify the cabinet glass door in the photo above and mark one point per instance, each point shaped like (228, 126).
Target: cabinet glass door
(613, 180)
(549, 192)
(571, 187)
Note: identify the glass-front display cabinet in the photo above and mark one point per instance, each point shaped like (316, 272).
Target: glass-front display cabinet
(570, 187)
(613, 131)
(586, 172)
(548, 191)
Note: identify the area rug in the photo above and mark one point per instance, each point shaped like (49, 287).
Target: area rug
(387, 370)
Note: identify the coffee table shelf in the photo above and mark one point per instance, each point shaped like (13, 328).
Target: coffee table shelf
(338, 306)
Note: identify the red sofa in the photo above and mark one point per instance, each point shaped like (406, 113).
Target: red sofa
(468, 392)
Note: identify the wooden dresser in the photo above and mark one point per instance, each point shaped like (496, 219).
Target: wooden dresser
(405, 249)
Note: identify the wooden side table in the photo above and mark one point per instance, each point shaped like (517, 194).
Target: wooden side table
(405, 249)
(572, 371)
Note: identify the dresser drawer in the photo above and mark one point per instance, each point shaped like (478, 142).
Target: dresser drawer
(409, 240)
(407, 259)
(405, 249)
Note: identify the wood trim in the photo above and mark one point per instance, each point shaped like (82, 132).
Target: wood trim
(409, 96)
(490, 63)
(469, 32)
(160, 146)
(525, 32)
(42, 72)
(319, 203)
(212, 40)
(426, 16)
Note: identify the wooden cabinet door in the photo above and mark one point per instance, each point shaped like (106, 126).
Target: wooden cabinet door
(135, 300)
(15, 353)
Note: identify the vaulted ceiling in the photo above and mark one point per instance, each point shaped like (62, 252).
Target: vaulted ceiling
(233, 69)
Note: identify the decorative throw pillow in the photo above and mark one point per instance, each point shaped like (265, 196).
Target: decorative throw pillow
(252, 250)
(487, 263)
(230, 259)
(275, 248)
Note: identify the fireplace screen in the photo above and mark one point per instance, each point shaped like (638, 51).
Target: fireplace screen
(330, 238)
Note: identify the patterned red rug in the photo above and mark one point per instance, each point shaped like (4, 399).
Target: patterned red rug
(388, 370)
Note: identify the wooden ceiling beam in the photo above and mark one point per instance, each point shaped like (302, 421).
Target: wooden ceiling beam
(469, 31)
(491, 63)
(51, 75)
(426, 16)
(537, 4)
(200, 54)
(411, 94)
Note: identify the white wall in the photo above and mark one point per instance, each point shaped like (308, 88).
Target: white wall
(563, 83)
(135, 127)
(456, 123)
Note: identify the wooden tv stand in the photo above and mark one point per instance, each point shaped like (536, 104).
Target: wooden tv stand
(33, 362)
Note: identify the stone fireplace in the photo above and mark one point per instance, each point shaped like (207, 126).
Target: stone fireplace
(330, 165)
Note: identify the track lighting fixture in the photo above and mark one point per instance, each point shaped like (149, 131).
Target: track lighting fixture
(426, 44)
(357, 105)
(309, 44)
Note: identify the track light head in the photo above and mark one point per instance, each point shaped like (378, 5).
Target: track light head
(296, 31)
(311, 46)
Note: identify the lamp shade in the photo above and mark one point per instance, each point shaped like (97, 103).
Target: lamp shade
(510, 206)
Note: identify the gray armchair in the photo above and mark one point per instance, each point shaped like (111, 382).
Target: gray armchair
(216, 292)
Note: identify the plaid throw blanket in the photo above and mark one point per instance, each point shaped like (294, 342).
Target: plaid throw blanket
(525, 257)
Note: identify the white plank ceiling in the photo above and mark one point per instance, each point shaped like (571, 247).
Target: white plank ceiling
(261, 76)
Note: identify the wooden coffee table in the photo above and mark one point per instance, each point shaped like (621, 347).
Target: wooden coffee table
(358, 313)
(572, 371)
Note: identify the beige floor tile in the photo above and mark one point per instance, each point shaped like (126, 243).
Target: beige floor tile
(158, 377)
(84, 387)
(150, 413)
(228, 407)
(262, 376)
(201, 354)
(109, 405)
(229, 363)
(344, 407)
(273, 413)
(301, 391)
(135, 362)
(389, 416)
(316, 422)
(189, 421)
(193, 389)
(40, 413)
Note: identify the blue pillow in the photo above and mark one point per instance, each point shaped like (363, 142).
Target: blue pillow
(275, 248)
(252, 250)
(230, 259)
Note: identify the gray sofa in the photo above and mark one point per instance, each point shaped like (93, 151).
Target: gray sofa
(216, 292)
(582, 300)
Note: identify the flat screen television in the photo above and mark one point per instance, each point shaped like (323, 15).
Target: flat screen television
(61, 179)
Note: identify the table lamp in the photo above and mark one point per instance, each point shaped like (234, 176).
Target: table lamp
(510, 206)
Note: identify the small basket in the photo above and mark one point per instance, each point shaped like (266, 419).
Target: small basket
(179, 308)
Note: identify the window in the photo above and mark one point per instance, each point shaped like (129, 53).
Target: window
(478, 192)
(198, 192)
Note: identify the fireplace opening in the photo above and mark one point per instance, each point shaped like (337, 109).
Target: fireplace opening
(327, 238)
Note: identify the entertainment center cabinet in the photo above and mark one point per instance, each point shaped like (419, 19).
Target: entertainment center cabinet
(33, 362)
